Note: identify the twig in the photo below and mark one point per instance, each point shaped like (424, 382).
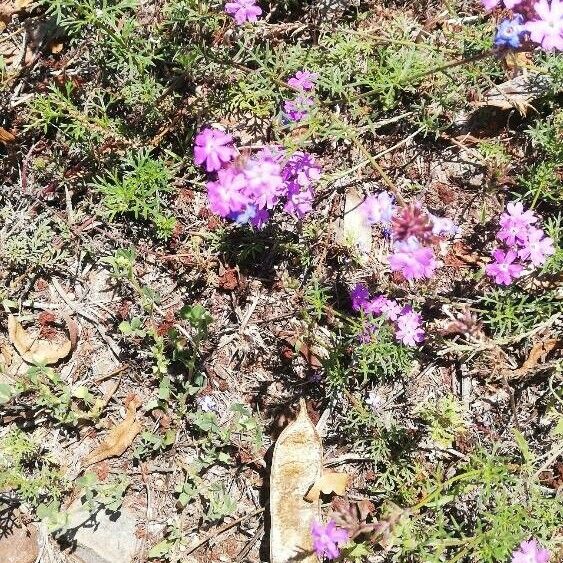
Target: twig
(222, 529)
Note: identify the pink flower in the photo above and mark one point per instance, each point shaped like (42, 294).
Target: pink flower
(548, 29)
(326, 539)
(530, 552)
(378, 208)
(226, 194)
(515, 224)
(490, 4)
(243, 10)
(412, 260)
(537, 248)
(503, 270)
(264, 182)
(299, 202)
(302, 168)
(303, 80)
(443, 225)
(408, 329)
(213, 147)
(359, 296)
(376, 305)
(297, 108)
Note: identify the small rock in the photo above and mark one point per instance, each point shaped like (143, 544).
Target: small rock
(20, 545)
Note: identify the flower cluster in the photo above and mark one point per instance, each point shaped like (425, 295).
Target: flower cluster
(303, 82)
(247, 190)
(541, 22)
(523, 242)
(412, 231)
(406, 321)
(327, 539)
(530, 552)
(243, 10)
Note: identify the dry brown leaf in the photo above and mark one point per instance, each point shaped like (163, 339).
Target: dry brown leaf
(56, 47)
(296, 464)
(352, 229)
(330, 482)
(119, 438)
(6, 136)
(539, 350)
(34, 350)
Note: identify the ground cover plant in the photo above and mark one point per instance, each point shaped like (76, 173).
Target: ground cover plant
(210, 210)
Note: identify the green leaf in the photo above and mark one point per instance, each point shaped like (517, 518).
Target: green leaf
(6, 393)
(523, 446)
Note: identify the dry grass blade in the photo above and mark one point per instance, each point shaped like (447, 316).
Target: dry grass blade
(296, 464)
(119, 438)
(33, 350)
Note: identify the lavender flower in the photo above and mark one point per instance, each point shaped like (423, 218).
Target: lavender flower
(490, 4)
(327, 539)
(378, 209)
(504, 270)
(510, 32)
(264, 182)
(213, 147)
(515, 224)
(537, 247)
(548, 29)
(303, 80)
(297, 108)
(206, 403)
(530, 552)
(226, 194)
(299, 202)
(408, 329)
(412, 259)
(243, 10)
(443, 226)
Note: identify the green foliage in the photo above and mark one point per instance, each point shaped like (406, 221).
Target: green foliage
(446, 419)
(138, 187)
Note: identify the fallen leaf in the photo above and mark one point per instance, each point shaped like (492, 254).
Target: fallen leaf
(538, 351)
(119, 438)
(33, 350)
(352, 229)
(330, 482)
(22, 4)
(6, 136)
(56, 47)
(296, 464)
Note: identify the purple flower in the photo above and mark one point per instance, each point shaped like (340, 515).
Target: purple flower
(303, 80)
(297, 108)
(490, 4)
(299, 202)
(213, 147)
(302, 168)
(226, 194)
(504, 270)
(515, 224)
(412, 259)
(376, 305)
(378, 208)
(261, 217)
(548, 29)
(408, 329)
(443, 226)
(326, 539)
(206, 403)
(243, 10)
(537, 247)
(509, 32)
(391, 309)
(359, 296)
(264, 182)
(530, 552)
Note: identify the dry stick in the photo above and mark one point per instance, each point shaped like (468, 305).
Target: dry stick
(222, 529)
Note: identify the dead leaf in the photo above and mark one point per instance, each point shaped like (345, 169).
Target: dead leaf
(352, 229)
(56, 47)
(119, 438)
(296, 464)
(22, 4)
(33, 350)
(330, 482)
(6, 136)
(538, 351)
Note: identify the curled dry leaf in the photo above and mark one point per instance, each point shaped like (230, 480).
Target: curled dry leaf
(539, 350)
(36, 351)
(296, 465)
(119, 438)
(6, 136)
(330, 482)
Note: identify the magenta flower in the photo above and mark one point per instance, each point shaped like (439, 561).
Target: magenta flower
(412, 259)
(213, 147)
(297, 108)
(327, 539)
(408, 329)
(303, 80)
(226, 194)
(359, 296)
(530, 552)
(537, 247)
(548, 29)
(378, 208)
(299, 201)
(515, 224)
(504, 270)
(243, 10)
(264, 182)
(302, 168)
